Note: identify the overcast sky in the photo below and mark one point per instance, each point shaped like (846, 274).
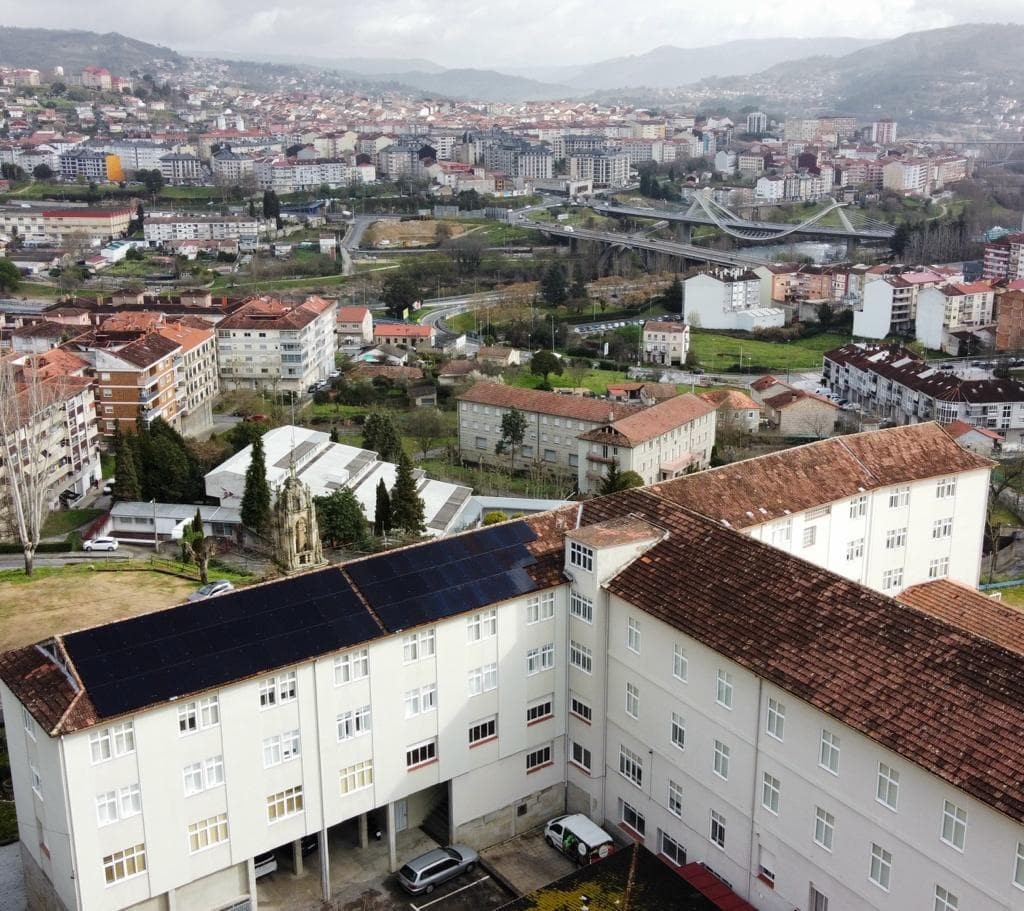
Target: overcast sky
(493, 33)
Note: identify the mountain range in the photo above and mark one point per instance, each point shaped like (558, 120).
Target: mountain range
(45, 48)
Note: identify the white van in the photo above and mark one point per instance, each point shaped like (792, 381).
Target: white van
(579, 837)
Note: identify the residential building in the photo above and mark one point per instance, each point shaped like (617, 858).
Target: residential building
(1004, 257)
(325, 467)
(736, 411)
(658, 443)
(161, 229)
(604, 168)
(771, 188)
(291, 175)
(952, 317)
(757, 123)
(409, 335)
(355, 326)
(553, 424)
(90, 165)
(267, 343)
(896, 384)
(137, 380)
(180, 168)
(96, 224)
(666, 342)
(889, 307)
(196, 377)
(977, 439)
(798, 413)
(232, 168)
(1010, 320)
(750, 164)
(727, 299)
(708, 695)
(883, 132)
(910, 176)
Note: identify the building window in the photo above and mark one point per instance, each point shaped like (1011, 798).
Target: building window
(280, 748)
(420, 699)
(721, 765)
(770, 789)
(354, 723)
(895, 538)
(881, 867)
(828, 757)
(581, 556)
(198, 715)
(939, 568)
(888, 789)
(824, 828)
(550, 455)
(678, 731)
(819, 901)
(671, 849)
(633, 635)
(717, 833)
(723, 694)
(417, 646)
(201, 776)
(118, 740)
(421, 753)
(632, 700)
(855, 549)
(899, 497)
(118, 804)
(540, 659)
(124, 864)
(776, 725)
(892, 579)
(482, 626)
(580, 756)
(284, 804)
(483, 730)
(581, 657)
(351, 666)
(540, 709)
(942, 528)
(581, 607)
(945, 488)
(1018, 866)
(207, 832)
(675, 799)
(631, 766)
(633, 818)
(858, 507)
(540, 608)
(679, 663)
(357, 777)
(946, 900)
(481, 442)
(277, 689)
(537, 759)
(954, 825)
(580, 708)
(810, 535)
(483, 679)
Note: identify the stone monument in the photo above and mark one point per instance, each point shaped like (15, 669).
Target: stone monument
(296, 534)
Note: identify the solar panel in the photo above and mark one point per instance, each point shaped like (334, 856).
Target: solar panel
(447, 576)
(136, 662)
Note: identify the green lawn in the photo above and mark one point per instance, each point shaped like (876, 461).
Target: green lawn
(1014, 595)
(595, 380)
(718, 352)
(67, 521)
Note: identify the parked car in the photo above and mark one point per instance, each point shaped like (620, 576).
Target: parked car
(309, 844)
(426, 872)
(579, 837)
(211, 589)
(265, 864)
(100, 544)
(108, 488)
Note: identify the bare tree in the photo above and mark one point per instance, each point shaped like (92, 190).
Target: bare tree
(1006, 477)
(32, 420)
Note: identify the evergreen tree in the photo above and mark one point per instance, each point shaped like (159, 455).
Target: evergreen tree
(513, 431)
(334, 435)
(616, 480)
(406, 503)
(381, 436)
(126, 479)
(674, 296)
(552, 285)
(382, 510)
(256, 498)
(342, 520)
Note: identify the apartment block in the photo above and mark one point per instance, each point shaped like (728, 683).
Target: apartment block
(98, 224)
(180, 168)
(1004, 258)
(355, 326)
(704, 693)
(137, 379)
(1010, 320)
(90, 165)
(270, 344)
(196, 377)
(949, 318)
(159, 229)
(665, 342)
(727, 299)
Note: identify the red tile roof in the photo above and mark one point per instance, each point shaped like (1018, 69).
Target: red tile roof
(401, 330)
(654, 421)
(969, 609)
(575, 407)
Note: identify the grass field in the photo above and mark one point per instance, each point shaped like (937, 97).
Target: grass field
(595, 380)
(717, 352)
(66, 521)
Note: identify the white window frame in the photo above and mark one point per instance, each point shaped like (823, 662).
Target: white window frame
(633, 818)
(540, 608)
(207, 833)
(353, 723)
(810, 536)
(581, 657)
(482, 625)
(677, 731)
(482, 679)
(899, 497)
(129, 863)
(824, 828)
(633, 640)
(539, 659)
(485, 729)
(887, 789)
(632, 700)
(581, 556)
(724, 689)
(581, 607)
(540, 709)
(353, 665)
(581, 708)
(775, 722)
(859, 506)
(720, 765)
(945, 488)
(938, 568)
(356, 777)
(896, 538)
(880, 870)
(854, 549)
(198, 715)
(285, 804)
(538, 758)
(278, 689)
(675, 799)
(671, 849)
(945, 900)
(892, 579)
(580, 756)
(112, 742)
(717, 830)
(942, 528)
(1018, 866)
(771, 790)
(631, 766)
(419, 646)
(420, 754)
(954, 825)
(680, 663)
(828, 752)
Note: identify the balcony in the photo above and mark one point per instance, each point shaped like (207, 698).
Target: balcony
(600, 459)
(147, 395)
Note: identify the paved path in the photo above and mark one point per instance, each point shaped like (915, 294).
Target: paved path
(12, 881)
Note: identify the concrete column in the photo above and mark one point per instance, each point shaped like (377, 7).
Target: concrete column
(325, 867)
(250, 869)
(364, 831)
(297, 856)
(172, 900)
(392, 849)
(684, 232)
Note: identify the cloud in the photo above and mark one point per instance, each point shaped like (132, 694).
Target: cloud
(501, 33)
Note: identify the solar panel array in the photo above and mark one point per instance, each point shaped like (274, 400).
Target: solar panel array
(152, 658)
(448, 576)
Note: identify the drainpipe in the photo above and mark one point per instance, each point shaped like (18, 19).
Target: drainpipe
(753, 790)
(325, 867)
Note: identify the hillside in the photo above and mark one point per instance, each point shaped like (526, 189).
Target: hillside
(46, 48)
(482, 85)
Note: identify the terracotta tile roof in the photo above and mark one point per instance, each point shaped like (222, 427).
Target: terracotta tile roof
(401, 330)
(943, 698)
(614, 532)
(970, 610)
(459, 367)
(56, 362)
(773, 486)
(269, 313)
(730, 398)
(658, 419)
(352, 314)
(185, 336)
(575, 407)
(764, 382)
(957, 429)
(45, 691)
(793, 396)
(148, 350)
(132, 321)
(369, 371)
(667, 327)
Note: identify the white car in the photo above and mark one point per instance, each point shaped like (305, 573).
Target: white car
(100, 544)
